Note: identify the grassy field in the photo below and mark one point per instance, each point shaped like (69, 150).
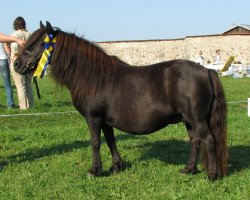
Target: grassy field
(47, 156)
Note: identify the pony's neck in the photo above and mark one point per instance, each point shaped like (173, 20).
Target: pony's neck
(81, 65)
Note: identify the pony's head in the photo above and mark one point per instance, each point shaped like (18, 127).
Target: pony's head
(28, 58)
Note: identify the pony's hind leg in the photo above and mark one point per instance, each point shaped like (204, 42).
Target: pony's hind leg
(117, 163)
(200, 134)
(208, 144)
(191, 166)
(211, 164)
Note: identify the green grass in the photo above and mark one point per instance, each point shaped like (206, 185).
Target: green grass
(53, 98)
(47, 156)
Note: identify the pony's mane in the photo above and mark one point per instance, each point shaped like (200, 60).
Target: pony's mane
(82, 65)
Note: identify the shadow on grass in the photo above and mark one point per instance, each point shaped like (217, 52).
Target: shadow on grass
(177, 152)
(170, 151)
(239, 158)
(35, 153)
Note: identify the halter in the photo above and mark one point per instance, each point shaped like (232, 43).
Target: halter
(49, 43)
(31, 64)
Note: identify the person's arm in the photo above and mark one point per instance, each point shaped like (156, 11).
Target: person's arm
(7, 38)
(7, 48)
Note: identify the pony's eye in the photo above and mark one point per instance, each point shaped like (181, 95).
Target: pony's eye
(40, 44)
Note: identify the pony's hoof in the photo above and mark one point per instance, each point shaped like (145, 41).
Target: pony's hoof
(94, 172)
(212, 177)
(116, 167)
(189, 171)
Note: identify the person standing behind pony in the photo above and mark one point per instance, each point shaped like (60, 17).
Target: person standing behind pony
(23, 82)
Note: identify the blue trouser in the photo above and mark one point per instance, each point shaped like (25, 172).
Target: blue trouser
(5, 72)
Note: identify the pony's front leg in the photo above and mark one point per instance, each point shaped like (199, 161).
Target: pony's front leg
(110, 139)
(95, 131)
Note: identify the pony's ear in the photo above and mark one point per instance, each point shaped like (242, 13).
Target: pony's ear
(49, 27)
(41, 25)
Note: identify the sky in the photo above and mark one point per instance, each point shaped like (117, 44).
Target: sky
(118, 20)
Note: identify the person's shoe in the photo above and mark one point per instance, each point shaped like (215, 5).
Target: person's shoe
(23, 108)
(12, 107)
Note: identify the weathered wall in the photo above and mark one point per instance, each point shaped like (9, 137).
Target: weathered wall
(148, 52)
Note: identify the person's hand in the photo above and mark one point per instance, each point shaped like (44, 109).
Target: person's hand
(20, 42)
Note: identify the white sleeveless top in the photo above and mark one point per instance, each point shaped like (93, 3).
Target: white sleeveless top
(3, 54)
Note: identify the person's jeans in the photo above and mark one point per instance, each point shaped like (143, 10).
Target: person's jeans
(5, 72)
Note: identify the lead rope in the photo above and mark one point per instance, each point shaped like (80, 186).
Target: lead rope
(37, 88)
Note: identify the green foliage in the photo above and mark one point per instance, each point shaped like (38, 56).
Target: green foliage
(47, 156)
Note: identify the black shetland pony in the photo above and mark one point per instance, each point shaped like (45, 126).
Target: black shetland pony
(140, 100)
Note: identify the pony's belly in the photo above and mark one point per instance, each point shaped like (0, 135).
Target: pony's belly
(145, 126)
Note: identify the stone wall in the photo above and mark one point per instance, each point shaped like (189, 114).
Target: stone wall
(153, 51)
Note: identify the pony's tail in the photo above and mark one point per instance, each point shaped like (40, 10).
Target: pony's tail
(218, 126)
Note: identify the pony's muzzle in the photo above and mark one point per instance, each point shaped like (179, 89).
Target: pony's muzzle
(17, 67)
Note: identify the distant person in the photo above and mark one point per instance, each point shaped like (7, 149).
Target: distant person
(200, 59)
(217, 57)
(23, 82)
(5, 73)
